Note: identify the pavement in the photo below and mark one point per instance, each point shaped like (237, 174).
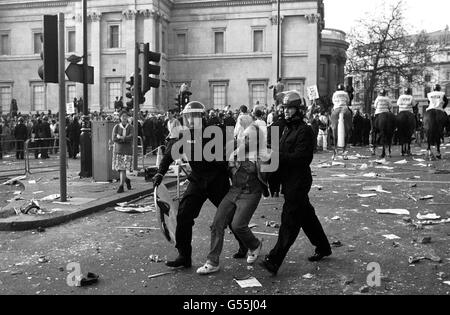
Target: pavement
(85, 196)
(367, 246)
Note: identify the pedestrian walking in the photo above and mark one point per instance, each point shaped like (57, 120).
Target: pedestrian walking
(296, 155)
(122, 136)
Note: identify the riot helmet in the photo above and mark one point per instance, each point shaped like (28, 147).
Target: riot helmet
(193, 115)
(437, 87)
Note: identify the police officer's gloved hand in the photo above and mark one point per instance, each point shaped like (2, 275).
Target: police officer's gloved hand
(157, 179)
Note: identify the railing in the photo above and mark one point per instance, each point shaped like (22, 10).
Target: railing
(41, 146)
(10, 165)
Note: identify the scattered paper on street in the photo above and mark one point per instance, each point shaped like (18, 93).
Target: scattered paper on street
(427, 197)
(393, 211)
(249, 282)
(401, 162)
(391, 237)
(378, 188)
(429, 216)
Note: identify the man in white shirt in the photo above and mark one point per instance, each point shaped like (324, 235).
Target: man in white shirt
(243, 121)
(437, 99)
(405, 102)
(173, 125)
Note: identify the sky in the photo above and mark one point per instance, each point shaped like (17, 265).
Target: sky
(428, 15)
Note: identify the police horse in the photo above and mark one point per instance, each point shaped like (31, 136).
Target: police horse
(406, 127)
(434, 121)
(382, 132)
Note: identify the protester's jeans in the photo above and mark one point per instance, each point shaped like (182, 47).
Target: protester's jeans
(236, 208)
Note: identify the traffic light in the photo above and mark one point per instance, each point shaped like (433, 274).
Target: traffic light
(185, 96)
(150, 69)
(130, 93)
(48, 72)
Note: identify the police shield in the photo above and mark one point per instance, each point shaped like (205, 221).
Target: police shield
(166, 210)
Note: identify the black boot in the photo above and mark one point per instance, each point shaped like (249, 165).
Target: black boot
(241, 254)
(128, 182)
(179, 262)
(319, 255)
(120, 190)
(269, 266)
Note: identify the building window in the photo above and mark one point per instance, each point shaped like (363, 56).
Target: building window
(114, 90)
(181, 44)
(114, 38)
(71, 41)
(71, 92)
(218, 93)
(38, 97)
(427, 78)
(258, 42)
(5, 48)
(258, 92)
(37, 41)
(5, 98)
(298, 86)
(219, 43)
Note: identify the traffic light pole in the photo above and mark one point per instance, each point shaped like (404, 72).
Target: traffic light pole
(62, 111)
(85, 137)
(137, 88)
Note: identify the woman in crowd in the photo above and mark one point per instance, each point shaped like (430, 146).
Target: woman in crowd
(123, 151)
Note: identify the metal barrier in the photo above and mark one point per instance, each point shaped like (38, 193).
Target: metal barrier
(10, 165)
(40, 146)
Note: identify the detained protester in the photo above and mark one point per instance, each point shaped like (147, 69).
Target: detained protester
(208, 181)
(239, 205)
(122, 136)
(296, 155)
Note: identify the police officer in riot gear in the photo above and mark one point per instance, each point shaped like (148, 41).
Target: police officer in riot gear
(208, 180)
(296, 155)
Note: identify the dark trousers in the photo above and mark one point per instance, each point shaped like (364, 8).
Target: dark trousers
(44, 149)
(274, 184)
(189, 209)
(19, 150)
(298, 213)
(36, 147)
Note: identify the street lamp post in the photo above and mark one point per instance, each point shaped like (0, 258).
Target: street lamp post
(85, 137)
(278, 39)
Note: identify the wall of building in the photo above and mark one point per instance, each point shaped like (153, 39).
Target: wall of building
(146, 21)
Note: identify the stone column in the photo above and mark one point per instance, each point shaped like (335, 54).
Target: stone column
(95, 103)
(150, 17)
(129, 39)
(314, 22)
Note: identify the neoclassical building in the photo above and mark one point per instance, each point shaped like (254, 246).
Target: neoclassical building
(226, 50)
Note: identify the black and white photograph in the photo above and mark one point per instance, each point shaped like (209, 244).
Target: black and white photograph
(228, 154)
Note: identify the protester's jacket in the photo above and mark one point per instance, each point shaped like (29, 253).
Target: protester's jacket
(202, 170)
(296, 154)
(123, 146)
(44, 130)
(21, 132)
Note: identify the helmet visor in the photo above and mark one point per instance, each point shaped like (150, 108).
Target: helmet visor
(192, 120)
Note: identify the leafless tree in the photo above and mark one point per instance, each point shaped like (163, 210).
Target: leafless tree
(384, 55)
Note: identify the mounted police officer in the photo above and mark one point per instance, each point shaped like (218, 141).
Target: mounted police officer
(208, 180)
(296, 155)
(437, 99)
(382, 103)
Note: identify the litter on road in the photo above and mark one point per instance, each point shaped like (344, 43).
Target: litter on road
(161, 274)
(401, 162)
(264, 233)
(426, 197)
(391, 237)
(429, 216)
(308, 276)
(393, 211)
(248, 282)
(377, 188)
(137, 228)
(336, 218)
(135, 209)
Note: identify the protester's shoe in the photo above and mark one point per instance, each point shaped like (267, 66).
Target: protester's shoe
(120, 190)
(269, 266)
(253, 255)
(241, 254)
(180, 262)
(128, 182)
(318, 256)
(207, 269)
